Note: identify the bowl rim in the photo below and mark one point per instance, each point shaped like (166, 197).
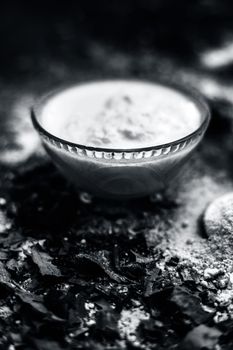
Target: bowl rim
(189, 92)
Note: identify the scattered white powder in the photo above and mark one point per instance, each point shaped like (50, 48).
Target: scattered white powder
(130, 320)
(91, 309)
(121, 114)
(23, 140)
(5, 223)
(217, 58)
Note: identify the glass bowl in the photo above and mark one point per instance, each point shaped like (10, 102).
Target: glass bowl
(122, 173)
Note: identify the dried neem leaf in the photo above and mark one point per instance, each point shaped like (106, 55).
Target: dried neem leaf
(156, 282)
(5, 279)
(144, 259)
(173, 261)
(34, 301)
(118, 292)
(36, 304)
(133, 270)
(4, 274)
(189, 305)
(226, 340)
(76, 310)
(107, 324)
(106, 321)
(201, 337)
(46, 344)
(11, 239)
(44, 262)
(150, 330)
(3, 255)
(16, 338)
(101, 260)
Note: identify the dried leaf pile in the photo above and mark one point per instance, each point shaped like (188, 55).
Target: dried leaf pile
(77, 274)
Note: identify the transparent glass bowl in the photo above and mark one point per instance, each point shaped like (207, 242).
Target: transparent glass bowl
(122, 173)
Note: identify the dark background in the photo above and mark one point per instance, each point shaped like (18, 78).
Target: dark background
(36, 34)
(60, 250)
